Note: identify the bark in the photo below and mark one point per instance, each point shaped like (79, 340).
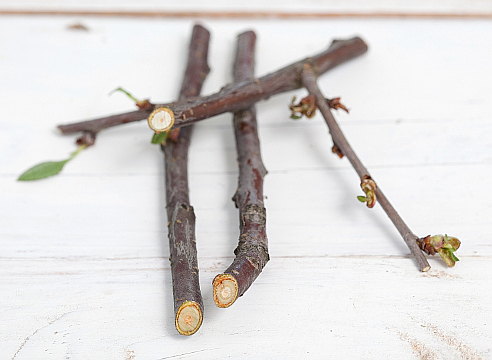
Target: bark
(236, 96)
(252, 251)
(340, 142)
(188, 302)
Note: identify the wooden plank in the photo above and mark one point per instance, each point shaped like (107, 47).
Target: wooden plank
(83, 266)
(427, 100)
(255, 8)
(69, 215)
(298, 308)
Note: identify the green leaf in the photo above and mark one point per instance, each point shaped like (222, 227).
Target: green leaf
(48, 168)
(361, 198)
(453, 256)
(43, 170)
(158, 138)
(125, 92)
(449, 246)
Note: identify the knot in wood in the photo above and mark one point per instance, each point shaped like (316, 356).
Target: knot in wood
(256, 253)
(254, 214)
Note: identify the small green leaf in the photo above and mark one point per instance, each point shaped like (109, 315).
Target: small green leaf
(361, 198)
(43, 170)
(125, 92)
(296, 117)
(453, 256)
(48, 168)
(449, 246)
(158, 138)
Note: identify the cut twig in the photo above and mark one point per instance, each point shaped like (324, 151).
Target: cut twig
(236, 96)
(188, 303)
(252, 250)
(372, 191)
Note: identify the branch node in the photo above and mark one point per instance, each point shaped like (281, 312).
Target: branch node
(145, 105)
(307, 107)
(443, 244)
(88, 138)
(336, 150)
(368, 185)
(336, 104)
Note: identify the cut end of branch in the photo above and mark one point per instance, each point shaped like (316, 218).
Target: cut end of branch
(225, 290)
(161, 119)
(425, 268)
(189, 318)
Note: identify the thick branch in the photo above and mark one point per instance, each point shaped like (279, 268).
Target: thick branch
(236, 96)
(309, 81)
(252, 250)
(188, 302)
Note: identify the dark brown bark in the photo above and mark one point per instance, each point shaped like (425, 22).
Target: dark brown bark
(236, 96)
(252, 250)
(188, 302)
(339, 140)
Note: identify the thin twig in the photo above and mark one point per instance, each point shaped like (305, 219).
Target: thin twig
(236, 96)
(252, 250)
(188, 302)
(340, 142)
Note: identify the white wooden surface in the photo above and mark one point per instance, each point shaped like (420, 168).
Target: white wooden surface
(423, 7)
(83, 262)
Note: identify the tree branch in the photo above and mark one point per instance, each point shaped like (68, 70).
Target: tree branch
(235, 96)
(252, 250)
(368, 184)
(188, 302)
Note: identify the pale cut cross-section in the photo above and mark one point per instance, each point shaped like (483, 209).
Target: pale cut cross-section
(225, 290)
(188, 318)
(161, 119)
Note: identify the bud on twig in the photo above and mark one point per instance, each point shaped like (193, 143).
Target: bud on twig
(336, 104)
(443, 244)
(145, 105)
(336, 150)
(369, 187)
(306, 106)
(88, 138)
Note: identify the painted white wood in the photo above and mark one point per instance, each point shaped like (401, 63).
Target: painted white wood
(324, 307)
(83, 262)
(334, 6)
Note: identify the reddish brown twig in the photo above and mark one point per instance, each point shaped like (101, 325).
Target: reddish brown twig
(341, 143)
(252, 250)
(188, 303)
(236, 96)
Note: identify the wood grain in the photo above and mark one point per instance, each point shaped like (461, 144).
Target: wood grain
(84, 272)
